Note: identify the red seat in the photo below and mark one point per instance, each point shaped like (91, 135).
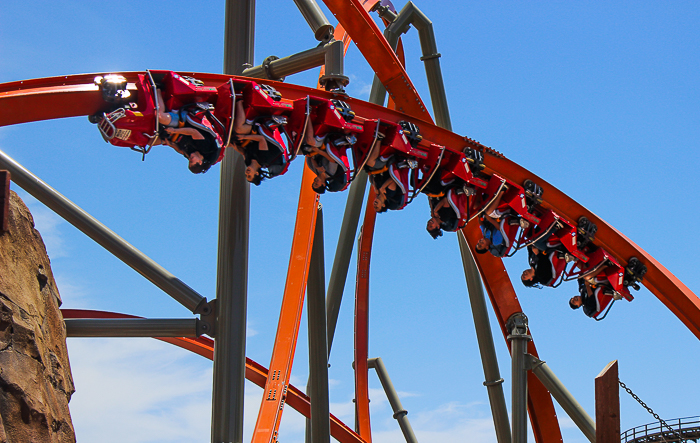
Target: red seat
(400, 175)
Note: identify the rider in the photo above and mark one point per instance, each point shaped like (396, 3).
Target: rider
(330, 170)
(492, 239)
(449, 213)
(388, 195)
(255, 149)
(541, 271)
(376, 163)
(197, 141)
(594, 296)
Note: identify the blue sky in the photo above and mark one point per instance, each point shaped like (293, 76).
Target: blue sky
(598, 98)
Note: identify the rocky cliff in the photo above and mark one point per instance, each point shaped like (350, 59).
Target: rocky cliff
(35, 378)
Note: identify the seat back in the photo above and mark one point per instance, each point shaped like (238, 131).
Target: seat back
(558, 264)
(274, 139)
(400, 175)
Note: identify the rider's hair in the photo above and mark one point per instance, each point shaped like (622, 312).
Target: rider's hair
(480, 251)
(532, 283)
(257, 179)
(572, 305)
(319, 189)
(200, 168)
(435, 233)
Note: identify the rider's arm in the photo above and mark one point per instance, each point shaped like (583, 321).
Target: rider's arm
(174, 146)
(492, 207)
(195, 134)
(323, 153)
(239, 149)
(164, 117)
(443, 203)
(389, 183)
(239, 124)
(492, 221)
(262, 143)
(374, 153)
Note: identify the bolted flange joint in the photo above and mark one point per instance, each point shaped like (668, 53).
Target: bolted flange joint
(517, 326)
(206, 324)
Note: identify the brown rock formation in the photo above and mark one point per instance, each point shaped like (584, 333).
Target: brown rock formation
(35, 377)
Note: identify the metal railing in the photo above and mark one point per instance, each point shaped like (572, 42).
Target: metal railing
(687, 427)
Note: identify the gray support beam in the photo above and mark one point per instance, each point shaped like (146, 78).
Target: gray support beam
(517, 327)
(232, 265)
(274, 68)
(343, 251)
(323, 30)
(489, 361)
(319, 427)
(329, 55)
(400, 414)
(348, 230)
(105, 237)
(562, 396)
(132, 327)
(410, 14)
(400, 24)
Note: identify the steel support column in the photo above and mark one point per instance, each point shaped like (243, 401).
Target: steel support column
(232, 265)
(562, 396)
(343, 251)
(323, 30)
(489, 361)
(105, 237)
(519, 337)
(275, 394)
(133, 327)
(317, 388)
(400, 414)
(411, 15)
(348, 228)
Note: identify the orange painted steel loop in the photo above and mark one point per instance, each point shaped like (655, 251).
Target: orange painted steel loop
(371, 42)
(277, 384)
(60, 97)
(255, 372)
(364, 253)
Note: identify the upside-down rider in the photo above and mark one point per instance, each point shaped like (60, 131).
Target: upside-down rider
(388, 192)
(594, 296)
(330, 169)
(388, 195)
(259, 151)
(493, 240)
(189, 131)
(449, 212)
(539, 256)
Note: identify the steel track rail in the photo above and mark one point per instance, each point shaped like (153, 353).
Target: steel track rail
(255, 372)
(361, 340)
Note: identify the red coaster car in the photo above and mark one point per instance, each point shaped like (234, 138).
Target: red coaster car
(132, 122)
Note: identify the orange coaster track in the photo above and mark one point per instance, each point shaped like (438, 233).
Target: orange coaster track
(69, 96)
(76, 95)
